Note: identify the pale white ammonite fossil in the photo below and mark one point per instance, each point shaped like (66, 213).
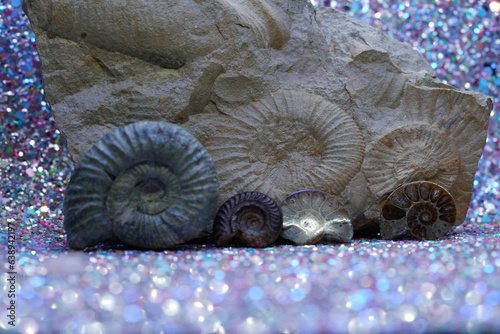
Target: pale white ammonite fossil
(412, 152)
(310, 216)
(286, 142)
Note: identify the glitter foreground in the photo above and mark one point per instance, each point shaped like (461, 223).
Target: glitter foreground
(366, 286)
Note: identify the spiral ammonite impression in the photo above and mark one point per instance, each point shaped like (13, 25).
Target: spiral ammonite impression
(286, 142)
(463, 117)
(147, 184)
(425, 209)
(312, 215)
(254, 218)
(414, 152)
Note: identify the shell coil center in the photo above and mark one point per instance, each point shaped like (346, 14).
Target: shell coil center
(416, 164)
(144, 188)
(251, 218)
(285, 154)
(310, 220)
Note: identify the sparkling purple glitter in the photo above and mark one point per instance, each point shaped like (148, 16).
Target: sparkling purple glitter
(366, 286)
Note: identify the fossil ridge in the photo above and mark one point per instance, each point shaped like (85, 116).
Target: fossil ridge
(204, 64)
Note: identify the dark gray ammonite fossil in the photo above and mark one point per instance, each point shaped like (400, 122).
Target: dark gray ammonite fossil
(254, 218)
(424, 209)
(148, 184)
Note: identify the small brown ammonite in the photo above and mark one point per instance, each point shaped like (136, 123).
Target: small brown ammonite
(423, 208)
(254, 218)
(311, 215)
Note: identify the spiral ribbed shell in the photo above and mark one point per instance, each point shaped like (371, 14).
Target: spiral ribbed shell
(310, 216)
(417, 152)
(460, 116)
(147, 184)
(254, 218)
(288, 141)
(425, 209)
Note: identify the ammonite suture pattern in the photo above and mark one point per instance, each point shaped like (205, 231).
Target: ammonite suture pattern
(423, 208)
(288, 141)
(310, 216)
(148, 184)
(254, 218)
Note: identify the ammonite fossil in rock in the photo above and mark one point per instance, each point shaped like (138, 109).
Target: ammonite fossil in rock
(268, 23)
(132, 28)
(463, 118)
(310, 216)
(414, 152)
(409, 153)
(166, 33)
(423, 208)
(254, 218)
(148, 185)
(288, 141)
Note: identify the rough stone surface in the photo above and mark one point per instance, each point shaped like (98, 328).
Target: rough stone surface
(207, 65)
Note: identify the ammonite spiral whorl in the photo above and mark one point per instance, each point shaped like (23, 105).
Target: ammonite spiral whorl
(287, 141)
(254, 218)
(425, 209)
(311, 215)
(414, 152)
(148, 185)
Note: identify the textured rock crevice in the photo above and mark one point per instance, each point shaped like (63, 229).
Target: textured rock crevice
(208, 64)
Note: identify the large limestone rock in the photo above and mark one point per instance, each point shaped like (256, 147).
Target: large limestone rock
(284, 96)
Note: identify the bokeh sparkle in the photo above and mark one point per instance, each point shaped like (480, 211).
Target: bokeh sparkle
(366, 286)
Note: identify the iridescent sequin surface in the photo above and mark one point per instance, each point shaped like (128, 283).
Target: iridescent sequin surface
(365, 286)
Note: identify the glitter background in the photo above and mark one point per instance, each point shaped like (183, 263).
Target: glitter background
(367, 286)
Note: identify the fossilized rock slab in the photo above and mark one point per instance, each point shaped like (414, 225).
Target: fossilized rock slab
(285, 97)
